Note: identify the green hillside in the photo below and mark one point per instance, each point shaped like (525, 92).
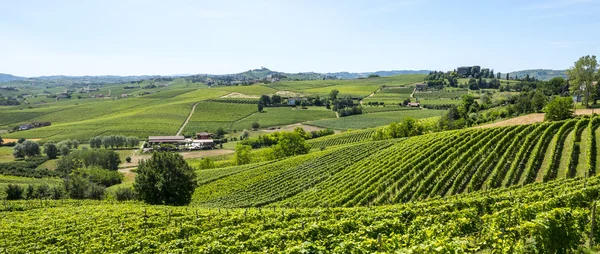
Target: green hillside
(428, 166)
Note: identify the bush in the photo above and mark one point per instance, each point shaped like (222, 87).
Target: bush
(128, 159)
(101, 176)
(166, 178)
(43, 191)
(124, 194)
(96, 191)
(57, 192)
(255, 125)
(206, 163)
(14, 192)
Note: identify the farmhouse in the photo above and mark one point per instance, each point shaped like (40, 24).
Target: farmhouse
(292, 101)
(24, 127)
(154, 140)
(203, 135)
(414, 104)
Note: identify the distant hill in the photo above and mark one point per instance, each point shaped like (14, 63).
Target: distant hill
(247, 75)
(355, 75)
(8, 77)
(541, 74)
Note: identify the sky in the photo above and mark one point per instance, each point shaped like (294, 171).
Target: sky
(148, 37)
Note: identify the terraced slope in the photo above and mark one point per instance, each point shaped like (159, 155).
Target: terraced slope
(428, 166)
(527, 219)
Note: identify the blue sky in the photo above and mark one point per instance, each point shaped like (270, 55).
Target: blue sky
(120, 37)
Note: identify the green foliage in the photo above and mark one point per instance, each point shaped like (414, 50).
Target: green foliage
(50, 150)
(255, 125)
(582, 76)
(206, 163)
(290, 144)
(125, 194)
(100, 176)
(105, 159)
(165, 178)
(559, 108)
(19, 151)
(14, 192)
(242, 154)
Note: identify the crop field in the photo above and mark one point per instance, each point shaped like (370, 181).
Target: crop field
(256, 89)
(341, 139)
(277, 116)
(157, 114)
(6, 154)
(209, 116)
(447, 94)
(371, 120)
(486, 221)
(357, 88)
(412, 169)
(376, 109)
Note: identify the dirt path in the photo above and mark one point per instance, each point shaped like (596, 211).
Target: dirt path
(412, 95)
(187, 119)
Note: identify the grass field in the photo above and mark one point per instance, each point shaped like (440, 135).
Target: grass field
(374, 119)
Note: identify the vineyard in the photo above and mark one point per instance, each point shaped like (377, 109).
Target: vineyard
(341, 139)
(552, 217)
(398, 171)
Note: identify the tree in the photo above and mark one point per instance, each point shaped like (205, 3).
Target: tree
(18, 151)
(406, 102)
(220, 132)
(128, 159)
(165, 178)
(75, 143)
(265, 99)
(1, 141)
(242, 154)
(582, 77)
(260, 106)
(333, 94)
(245, 134)
(539, 101)
(63, 148)
(50, 150)
(290, 144)
(276, 99)
(560, 108)
(255, 125)
(31, 148)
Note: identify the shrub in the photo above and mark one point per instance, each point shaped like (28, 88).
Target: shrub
(128, 159)
(96, 191)
(101, 176)
(14, 192)
(124, 194)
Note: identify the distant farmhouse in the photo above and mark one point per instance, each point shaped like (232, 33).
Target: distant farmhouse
(24, 127)
(294, 100)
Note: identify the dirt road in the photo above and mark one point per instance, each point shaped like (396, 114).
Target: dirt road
(187, 119)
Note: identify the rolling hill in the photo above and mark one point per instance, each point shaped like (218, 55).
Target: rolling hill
(407, 170)
(541, 74)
